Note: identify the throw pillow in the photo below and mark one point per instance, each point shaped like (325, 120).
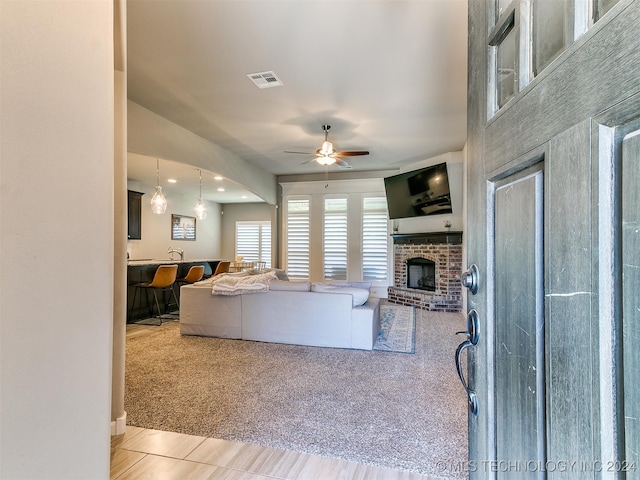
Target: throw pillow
(280, 273)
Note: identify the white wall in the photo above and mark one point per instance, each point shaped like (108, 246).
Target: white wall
(156, 229)
(56, 219)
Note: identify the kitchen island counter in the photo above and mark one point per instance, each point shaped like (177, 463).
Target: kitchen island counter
(143, 270)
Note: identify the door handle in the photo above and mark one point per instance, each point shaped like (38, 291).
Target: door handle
(473, 327)
(472, 398)
(473, 336)
(469, 279)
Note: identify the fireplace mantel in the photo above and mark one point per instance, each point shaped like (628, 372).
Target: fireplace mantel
(452, 238)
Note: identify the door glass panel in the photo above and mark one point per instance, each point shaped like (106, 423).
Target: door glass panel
(601, 7)
(549, 20)
(506, 64)
(501, 7)
(631, 299)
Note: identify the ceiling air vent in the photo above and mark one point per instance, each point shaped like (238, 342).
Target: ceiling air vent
(265, 79)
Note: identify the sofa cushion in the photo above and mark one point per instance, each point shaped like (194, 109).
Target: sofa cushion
(365, 285)
(283, 285)
(359, 295)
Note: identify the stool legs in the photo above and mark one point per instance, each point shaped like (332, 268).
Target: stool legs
(155, 302)
(167, 301)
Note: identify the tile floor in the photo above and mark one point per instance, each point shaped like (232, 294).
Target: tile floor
(143, 454)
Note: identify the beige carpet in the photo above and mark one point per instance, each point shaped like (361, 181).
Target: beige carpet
(379, 408)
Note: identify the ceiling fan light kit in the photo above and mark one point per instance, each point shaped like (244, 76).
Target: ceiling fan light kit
(327, 148)
(325, 160)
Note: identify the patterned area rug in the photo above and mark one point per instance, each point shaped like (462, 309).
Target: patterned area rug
(397, 329)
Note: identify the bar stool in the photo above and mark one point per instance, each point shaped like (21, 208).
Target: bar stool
(163, 280)
(222, 267)
(195, 274)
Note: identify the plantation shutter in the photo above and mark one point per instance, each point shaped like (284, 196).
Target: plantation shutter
(253, 241)
(265, 244)
(335, 238)
(374, 239)
(298, 238)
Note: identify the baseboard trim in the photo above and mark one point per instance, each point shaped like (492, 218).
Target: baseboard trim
(119, 425)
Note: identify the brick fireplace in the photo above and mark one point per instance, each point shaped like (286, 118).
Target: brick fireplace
(413, 255)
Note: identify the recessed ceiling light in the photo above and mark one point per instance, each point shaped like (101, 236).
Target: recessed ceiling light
(244, 196)
(217, 177)
(172, 180)
(221, 189)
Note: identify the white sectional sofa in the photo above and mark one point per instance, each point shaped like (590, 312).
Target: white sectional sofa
(290, 312)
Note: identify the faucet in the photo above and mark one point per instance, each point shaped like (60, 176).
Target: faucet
(179, 251)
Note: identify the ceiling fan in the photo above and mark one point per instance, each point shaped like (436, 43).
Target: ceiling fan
(326, 155)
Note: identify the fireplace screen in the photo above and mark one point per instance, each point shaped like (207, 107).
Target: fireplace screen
(421, 274)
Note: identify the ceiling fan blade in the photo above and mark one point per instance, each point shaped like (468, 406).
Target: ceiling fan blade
(301, 153)
(351, 154)
(342, 163)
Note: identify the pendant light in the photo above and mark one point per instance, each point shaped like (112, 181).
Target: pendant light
(200, 208)
(158, 202)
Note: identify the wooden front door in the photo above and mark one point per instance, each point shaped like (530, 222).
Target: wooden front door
(553, 178)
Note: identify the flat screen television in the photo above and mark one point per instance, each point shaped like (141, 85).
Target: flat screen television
(419, 193)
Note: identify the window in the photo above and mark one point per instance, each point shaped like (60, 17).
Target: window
(375, 239)
(298, 238)
(336, 231)
(601, 7)
(253, 241)
(504, 41)
(550, 37)
(335, 238)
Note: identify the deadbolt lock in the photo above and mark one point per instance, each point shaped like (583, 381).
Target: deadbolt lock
(469, 279)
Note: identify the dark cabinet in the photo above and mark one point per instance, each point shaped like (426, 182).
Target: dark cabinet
(134, 208)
